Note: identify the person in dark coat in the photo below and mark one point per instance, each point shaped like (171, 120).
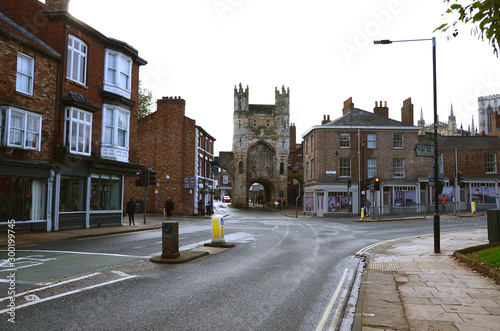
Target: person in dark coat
(200, 208)
(169, 207)
(208, 207)
(130, 209)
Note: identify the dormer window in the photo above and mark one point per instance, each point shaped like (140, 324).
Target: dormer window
(117, 74)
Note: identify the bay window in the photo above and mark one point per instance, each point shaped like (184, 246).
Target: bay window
(20, 128)
(77, 131)
(117, 73)
(115, 132)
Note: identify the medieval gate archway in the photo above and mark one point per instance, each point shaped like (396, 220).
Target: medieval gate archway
(261, 146)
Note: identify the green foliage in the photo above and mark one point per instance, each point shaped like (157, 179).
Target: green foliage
(490, 257)
(484, 16)
(145, 102)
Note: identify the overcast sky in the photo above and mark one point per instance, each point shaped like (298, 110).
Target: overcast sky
(321, 49)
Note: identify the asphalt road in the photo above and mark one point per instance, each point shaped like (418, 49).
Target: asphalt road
(282, 274)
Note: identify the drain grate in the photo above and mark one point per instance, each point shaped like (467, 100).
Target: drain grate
(413, 265)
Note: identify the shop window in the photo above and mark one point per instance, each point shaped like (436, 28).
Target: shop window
(28, 199)
(106, 191)
(338, 202)
(5, 190)
(72, 194)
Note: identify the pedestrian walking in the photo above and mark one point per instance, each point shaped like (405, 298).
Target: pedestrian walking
(169, 207)
(130, 209)
(443, 203)
(367, 207)
(200, 208)
(208, 207)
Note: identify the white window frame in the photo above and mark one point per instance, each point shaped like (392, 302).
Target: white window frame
(371, 167)
(29, 134)
(371, 140)
(114, 126)
(118, 79)
(77, 56)
(398, 168)
(492, 168)
(345, 140)
(344, 168)
(23, 72)
(82, 120)
(398, 143)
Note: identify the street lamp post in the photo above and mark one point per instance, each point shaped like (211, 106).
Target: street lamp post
(437, 248)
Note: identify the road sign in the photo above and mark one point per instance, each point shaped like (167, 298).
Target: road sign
(186, 180)
(158, 184)
(192, 180)
(424, 150)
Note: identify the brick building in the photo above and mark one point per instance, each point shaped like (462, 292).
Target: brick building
(360, 145)
(88, 120)
(181, 153)
(354, 147)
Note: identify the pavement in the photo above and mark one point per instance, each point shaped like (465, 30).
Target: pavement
(404, 284)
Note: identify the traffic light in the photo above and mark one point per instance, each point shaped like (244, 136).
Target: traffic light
(142, 178)
(459, 178)
(151, 177)
(348, 183)
(376, 183)
(452, 181)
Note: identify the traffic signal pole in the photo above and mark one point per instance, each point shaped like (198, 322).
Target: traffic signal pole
(146, 183)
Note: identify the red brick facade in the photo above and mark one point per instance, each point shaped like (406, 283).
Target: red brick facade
(88, 124)
(172, 145)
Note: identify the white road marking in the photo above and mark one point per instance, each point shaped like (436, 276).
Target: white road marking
(332, 301)
(72, 252)
(53, 285)
(67, 293)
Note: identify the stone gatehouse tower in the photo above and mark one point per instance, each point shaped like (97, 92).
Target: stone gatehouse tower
(261, 146)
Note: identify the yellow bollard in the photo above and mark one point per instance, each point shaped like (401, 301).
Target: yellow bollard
(218, 229)
(362, 213)
(473, 207)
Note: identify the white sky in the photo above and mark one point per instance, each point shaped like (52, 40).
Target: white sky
(321, 49)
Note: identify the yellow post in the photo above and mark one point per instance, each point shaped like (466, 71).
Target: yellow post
(218, 229)
(473, 207)
(362, 213)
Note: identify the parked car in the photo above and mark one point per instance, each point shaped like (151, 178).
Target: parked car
(226, 198)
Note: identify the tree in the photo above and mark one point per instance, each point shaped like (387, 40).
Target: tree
(483, 15)
(145, 102)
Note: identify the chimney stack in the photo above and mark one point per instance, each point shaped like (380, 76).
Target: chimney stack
(58, 4)
(407, 112)
(381, 110)
(348, 106)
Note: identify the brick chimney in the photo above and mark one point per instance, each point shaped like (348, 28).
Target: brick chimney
(326, 119)
(293, 137)
(379, 110)
(348, 106)
(58, 4)
(407, 112)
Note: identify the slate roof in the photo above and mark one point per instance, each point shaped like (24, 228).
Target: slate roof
(464, 143)
(358, 117)
(15, 32)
